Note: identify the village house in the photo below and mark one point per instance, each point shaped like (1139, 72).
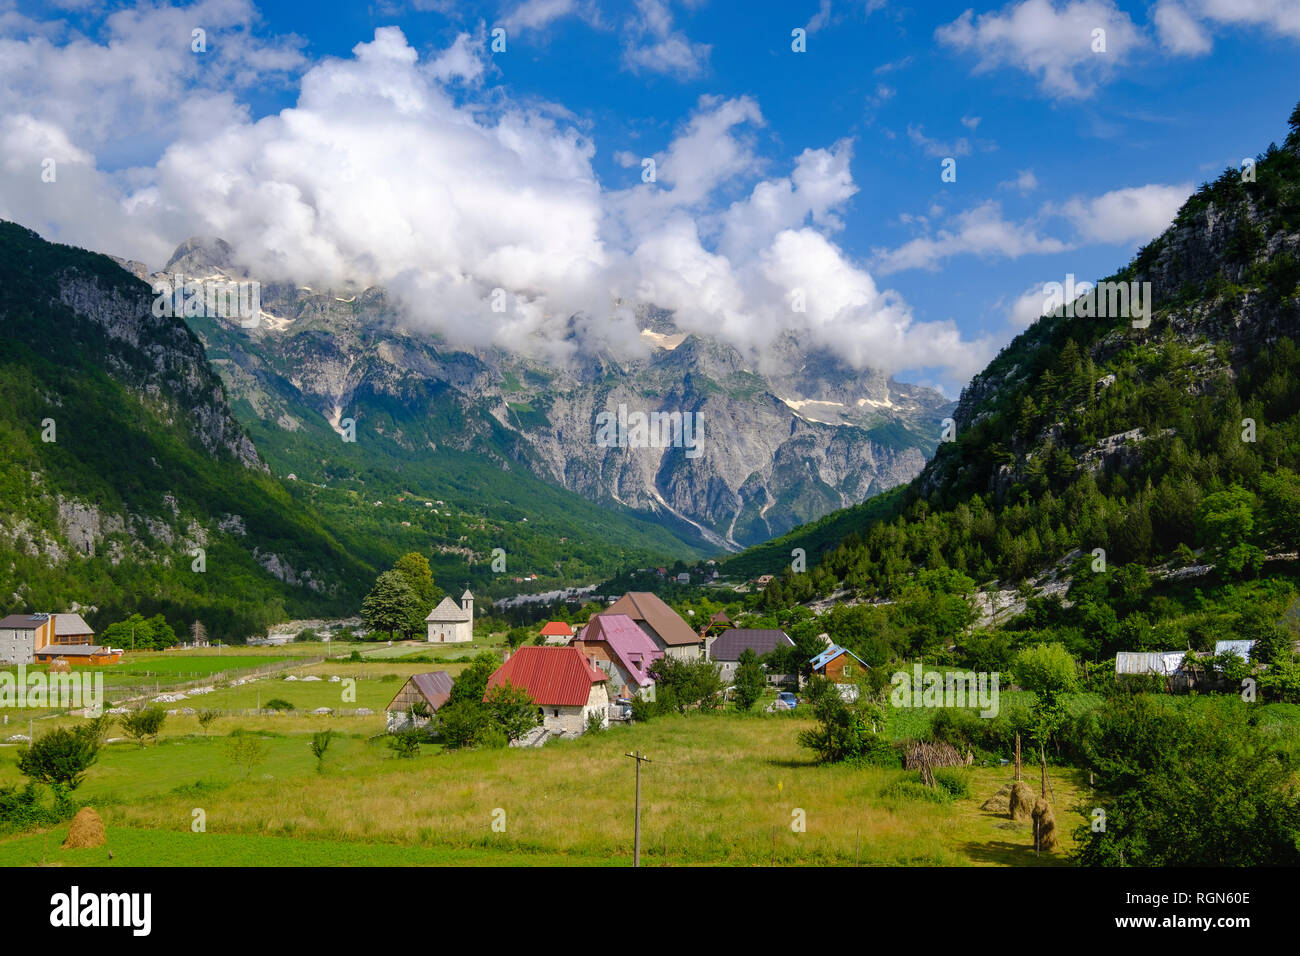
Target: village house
(557, 632)
(427, 692)
(32, 638)
(567, 690)
(838, 665)
(615, 644)
(716, 624)
(666, 628)
(725, 648)
(452, 624)
(22, 635)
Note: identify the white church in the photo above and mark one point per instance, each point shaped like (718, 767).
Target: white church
(449, 624)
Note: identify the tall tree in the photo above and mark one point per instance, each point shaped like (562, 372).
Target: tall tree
(391, 604)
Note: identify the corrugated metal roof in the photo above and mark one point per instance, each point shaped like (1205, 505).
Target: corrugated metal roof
(632, 646)
(70, 624)
(731, 643)
(1240, 648)
(650, 608)
(557, 629)
(69, 650)
(1164, 663)
(553, 676)
(832, 652)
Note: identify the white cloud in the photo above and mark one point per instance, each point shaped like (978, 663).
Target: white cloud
(1049, 41)
(937, 148)
(381, 174)
(460, 61)
(820, 18)
(135, 81)
(1024, 183)
(980, 231)
(1135, 214)
(1179, 32)
(1028, 307)
(537, 14)
(654, 46)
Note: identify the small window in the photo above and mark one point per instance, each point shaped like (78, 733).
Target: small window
(848, 670)
(555, 712)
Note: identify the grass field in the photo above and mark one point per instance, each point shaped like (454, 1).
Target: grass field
(722, 789)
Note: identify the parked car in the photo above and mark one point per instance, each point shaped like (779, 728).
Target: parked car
(785, 701)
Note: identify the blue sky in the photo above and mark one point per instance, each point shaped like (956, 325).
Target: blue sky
(1067, 158)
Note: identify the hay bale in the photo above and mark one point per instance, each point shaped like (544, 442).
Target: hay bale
(86, 829)
(1044, 826)
(1020, 806)
(999, 803)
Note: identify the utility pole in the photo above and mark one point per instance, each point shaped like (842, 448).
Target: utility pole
(640, 758)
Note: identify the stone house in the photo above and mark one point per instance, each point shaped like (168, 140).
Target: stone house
(567, 690)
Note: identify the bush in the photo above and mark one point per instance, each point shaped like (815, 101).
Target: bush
(954, 782)
(908, 789)
(405, 745)
(277, 703)
(21, 809)
(145, 722)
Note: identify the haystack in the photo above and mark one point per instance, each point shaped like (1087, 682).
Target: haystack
(1000, 802)
(1020, 806)
(86, 829)
(1044, 826)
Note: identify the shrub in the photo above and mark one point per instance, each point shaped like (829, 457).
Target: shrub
(277, 703)
(21, 809)
(405, 745)
(145, 722)
(956, 783)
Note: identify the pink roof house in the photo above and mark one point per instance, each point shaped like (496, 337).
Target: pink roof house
(617, 645)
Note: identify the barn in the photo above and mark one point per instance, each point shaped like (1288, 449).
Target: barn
(427, 692)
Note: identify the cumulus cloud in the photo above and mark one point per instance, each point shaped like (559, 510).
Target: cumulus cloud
(981, 231)
(404, 171)
(134, 82)
(1052, 42)
(1135, 214)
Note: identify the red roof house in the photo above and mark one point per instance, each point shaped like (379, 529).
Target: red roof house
(557, 632)
(565, 687)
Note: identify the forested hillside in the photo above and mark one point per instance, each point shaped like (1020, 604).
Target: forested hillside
(1169, 453)
(120, 461)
